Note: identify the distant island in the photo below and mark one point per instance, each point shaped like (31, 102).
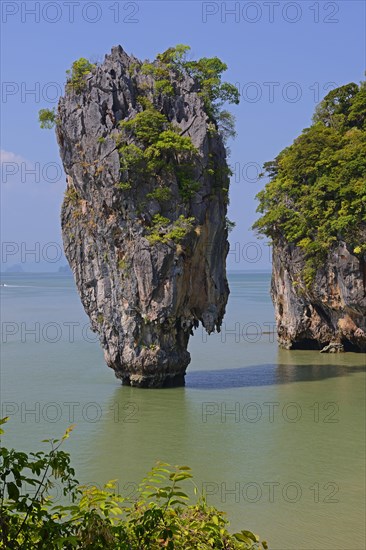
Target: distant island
(16, 268)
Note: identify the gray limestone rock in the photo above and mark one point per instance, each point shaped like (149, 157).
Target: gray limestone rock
(331, 311)
(143, 299)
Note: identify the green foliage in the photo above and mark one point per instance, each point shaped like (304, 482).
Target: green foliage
(47, 118)
(334, 109)
(357, 112)
(122, 264)
(124, 185)
(26, 521)
(219, 174)
(146, 126)
(170, 150)
(174, 56)
(173, 59)
(158, 150)
(133, 67)
(164, 86)
(163, 231)
(157, 71)
(72, 195)
(188, 186)
(145, 102)
(161, 194)
(317, 192)
(131, 158)
(160, 517)
(76, 76)
(169, 142)
(309, 273)
(207, 72)
(229, 224)
(226, 125)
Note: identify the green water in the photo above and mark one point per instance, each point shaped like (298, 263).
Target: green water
(275, 438)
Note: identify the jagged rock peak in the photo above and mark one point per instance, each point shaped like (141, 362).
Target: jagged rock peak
(144, 214)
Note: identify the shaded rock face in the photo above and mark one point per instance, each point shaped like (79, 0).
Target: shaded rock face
(331, 310)
(143, 299)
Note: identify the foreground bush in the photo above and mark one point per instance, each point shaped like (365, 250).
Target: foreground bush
(160, 517)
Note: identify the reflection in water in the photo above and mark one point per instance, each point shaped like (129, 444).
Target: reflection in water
(142, 427)
(205, 426)
(266, 375)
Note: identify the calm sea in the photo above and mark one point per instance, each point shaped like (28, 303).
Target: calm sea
(275, 438)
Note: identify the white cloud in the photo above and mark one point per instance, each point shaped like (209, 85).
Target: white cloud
(17, 170)
(9, 156)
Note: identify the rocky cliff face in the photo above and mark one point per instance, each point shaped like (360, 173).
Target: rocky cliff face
(143, 298)
(331, 310)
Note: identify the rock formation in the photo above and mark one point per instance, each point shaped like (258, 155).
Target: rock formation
(329, 314)
(147, 268)
(313, 210)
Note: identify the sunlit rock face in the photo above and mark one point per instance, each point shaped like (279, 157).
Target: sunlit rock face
(331, 310)
(143, 298)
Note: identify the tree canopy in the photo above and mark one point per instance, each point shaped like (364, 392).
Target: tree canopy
(317, 192)
(207, 73)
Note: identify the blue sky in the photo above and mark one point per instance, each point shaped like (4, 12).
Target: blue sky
(284, 56)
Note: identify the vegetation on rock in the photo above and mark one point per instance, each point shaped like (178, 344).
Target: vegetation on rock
(159, 517)
(72, 195)
(207, 73)
(160, 148)
(130, 154)
(150, 146)
(317, 193)
(76, 75)
(76, 82)
(160, 194)
(163, 230)
(47, 118)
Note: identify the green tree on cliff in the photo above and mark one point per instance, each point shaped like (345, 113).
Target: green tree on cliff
(317, 192)
(207, 73)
